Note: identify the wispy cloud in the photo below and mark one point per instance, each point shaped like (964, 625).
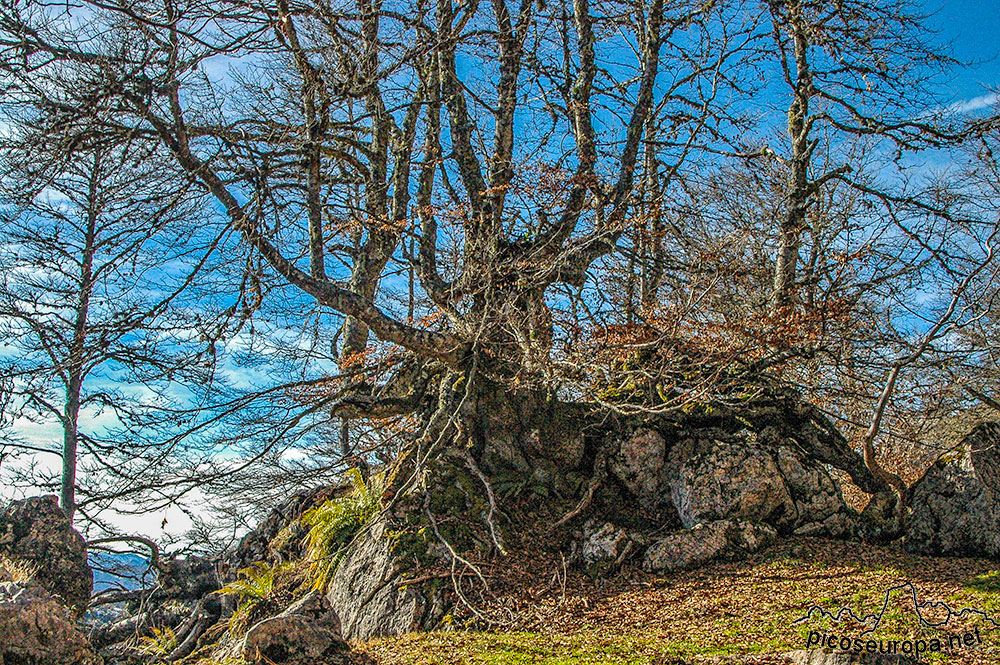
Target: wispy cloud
(974, 104)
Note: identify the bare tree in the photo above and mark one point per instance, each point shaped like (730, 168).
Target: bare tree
(512, 157)
(94, 256)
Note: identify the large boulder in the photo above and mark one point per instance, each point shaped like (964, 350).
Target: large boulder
(37, 532)
(984, 454)
(955, 508)
(754, 477)
(307, 633)
(722, 539)
(36, 629)
(367, 590)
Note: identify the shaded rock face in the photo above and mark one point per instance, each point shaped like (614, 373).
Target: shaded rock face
(984, 454)
(36, 629)
(745, 476)
(955, 509)
(638, 464)
(722, 539)
(190, 578)
(307, 633)
(37, 531)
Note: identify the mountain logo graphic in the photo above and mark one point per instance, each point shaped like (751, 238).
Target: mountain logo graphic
(871, 622)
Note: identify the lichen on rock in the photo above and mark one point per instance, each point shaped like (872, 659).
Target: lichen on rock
(36, 532)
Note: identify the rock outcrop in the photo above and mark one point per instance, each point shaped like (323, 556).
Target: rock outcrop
(368, 592)
(955, 506)
(37, 532)
(752, 477)
(189, 578)
(36, 629)
(638, 465)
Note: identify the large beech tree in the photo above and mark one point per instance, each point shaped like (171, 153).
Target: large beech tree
(505, 155)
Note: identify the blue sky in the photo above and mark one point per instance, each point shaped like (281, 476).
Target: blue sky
(973, 28)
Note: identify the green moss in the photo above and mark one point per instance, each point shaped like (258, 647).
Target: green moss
(987, 582)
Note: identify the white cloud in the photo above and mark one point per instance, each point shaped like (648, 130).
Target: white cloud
(974, 104)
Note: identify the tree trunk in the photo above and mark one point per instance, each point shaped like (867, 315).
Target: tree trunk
(76, 372)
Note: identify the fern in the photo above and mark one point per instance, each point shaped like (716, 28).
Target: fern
(256, 582)
(333, 525)
(160, 643)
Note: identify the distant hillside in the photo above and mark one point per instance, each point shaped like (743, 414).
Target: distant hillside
(119, 570)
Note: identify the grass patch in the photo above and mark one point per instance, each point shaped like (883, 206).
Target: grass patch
(986, 582)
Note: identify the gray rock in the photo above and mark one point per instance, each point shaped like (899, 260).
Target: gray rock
(293, 640)
(316, 607)
(984, 453)
(602, 542)
(748, 477)
(36, 628)
(189, 578)
(365, 589)
(307, 633)
(723, 539)
(953, 512)
(820, 657)
(638, 464)
(37, 532)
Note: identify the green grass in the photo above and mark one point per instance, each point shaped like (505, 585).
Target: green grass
(986, 583)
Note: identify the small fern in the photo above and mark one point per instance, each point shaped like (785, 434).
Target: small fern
(333, 525)
(160, 643)
(254, 588)
(255, 582)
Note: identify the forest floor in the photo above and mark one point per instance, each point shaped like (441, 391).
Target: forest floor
(737, 612)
